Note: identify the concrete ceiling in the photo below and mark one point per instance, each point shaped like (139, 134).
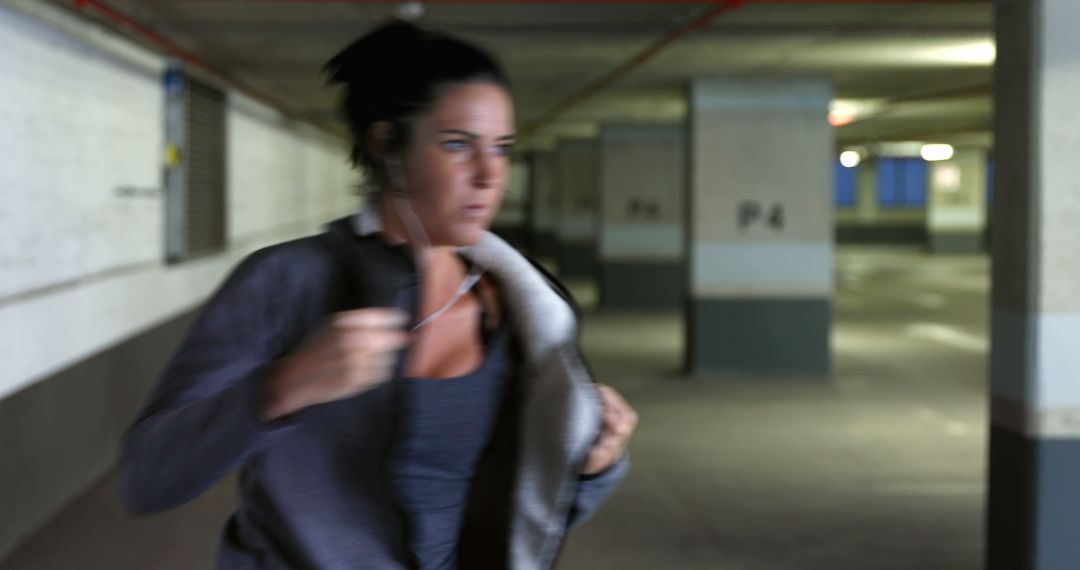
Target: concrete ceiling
(908, 69)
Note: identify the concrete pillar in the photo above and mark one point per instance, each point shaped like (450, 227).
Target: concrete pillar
(956, 203)
(578, 178)
(641, 234)
(543, 205)
(863, 224)
(760, 226)
(866, 197)
(1034, 492)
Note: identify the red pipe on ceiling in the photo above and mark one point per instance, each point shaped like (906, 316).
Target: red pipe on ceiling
(176, 51)
(578, 2)
(639, 59)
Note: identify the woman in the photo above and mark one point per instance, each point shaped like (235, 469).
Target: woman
(403, 390)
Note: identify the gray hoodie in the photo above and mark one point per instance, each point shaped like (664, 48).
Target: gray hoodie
(314, 489)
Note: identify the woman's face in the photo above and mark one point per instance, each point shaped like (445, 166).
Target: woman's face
(457, 161)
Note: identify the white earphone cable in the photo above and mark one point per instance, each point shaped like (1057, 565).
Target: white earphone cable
(419, 237)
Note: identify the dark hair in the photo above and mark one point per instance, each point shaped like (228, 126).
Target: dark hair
(394, 74)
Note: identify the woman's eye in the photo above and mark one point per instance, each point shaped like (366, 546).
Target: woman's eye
(455, 145)
(504, 149)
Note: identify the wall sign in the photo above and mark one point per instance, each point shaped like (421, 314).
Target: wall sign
(753, 213)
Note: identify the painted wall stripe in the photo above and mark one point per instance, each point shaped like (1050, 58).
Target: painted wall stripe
(577, 226)
(763, 93)
(773, 268)
(641, 241)
(1057, 422)
(80, 322)
(1042, 347)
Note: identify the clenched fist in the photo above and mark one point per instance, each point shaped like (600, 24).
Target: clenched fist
(619, 423)
(351, 353)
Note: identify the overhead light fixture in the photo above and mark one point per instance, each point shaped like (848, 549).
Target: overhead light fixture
(846, 111)
(936, 152)
(978, 52)
(841, 117)
(850, 158)
(410, 10)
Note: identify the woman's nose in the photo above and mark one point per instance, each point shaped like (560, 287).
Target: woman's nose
(485, 169)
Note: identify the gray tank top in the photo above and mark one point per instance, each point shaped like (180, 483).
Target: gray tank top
(444, 426)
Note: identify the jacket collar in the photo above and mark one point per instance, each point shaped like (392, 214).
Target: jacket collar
(367, 221)
(540, 316)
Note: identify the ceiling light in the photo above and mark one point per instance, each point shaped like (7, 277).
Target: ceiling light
(850, 158)
(841, 117)
(935, 152)
(979, 52)
(846, 111)
(410, 10)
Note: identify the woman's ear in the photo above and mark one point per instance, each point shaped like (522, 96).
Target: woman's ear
(380, 139)
(383, 147)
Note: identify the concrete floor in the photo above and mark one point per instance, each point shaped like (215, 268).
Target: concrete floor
(880, 467)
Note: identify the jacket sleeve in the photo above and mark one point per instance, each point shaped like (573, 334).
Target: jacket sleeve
(593, 490)
(201, 421)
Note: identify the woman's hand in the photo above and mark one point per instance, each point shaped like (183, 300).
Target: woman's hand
(619, 423)
(353, 352)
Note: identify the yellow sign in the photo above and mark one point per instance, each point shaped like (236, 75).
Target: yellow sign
(172, 156)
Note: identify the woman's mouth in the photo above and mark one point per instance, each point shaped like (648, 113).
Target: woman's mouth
(476, 210)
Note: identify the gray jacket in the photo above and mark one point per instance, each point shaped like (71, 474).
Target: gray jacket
(314, 492)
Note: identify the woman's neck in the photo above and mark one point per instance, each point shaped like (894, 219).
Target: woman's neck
(393, 229)
(435, 258)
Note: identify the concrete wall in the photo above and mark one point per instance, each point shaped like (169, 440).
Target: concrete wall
(543, 209)
(956, 203)
(577, 163)
(952, 219)
(511, 222)
(88, 309)
(896, 226)
(867, 223)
